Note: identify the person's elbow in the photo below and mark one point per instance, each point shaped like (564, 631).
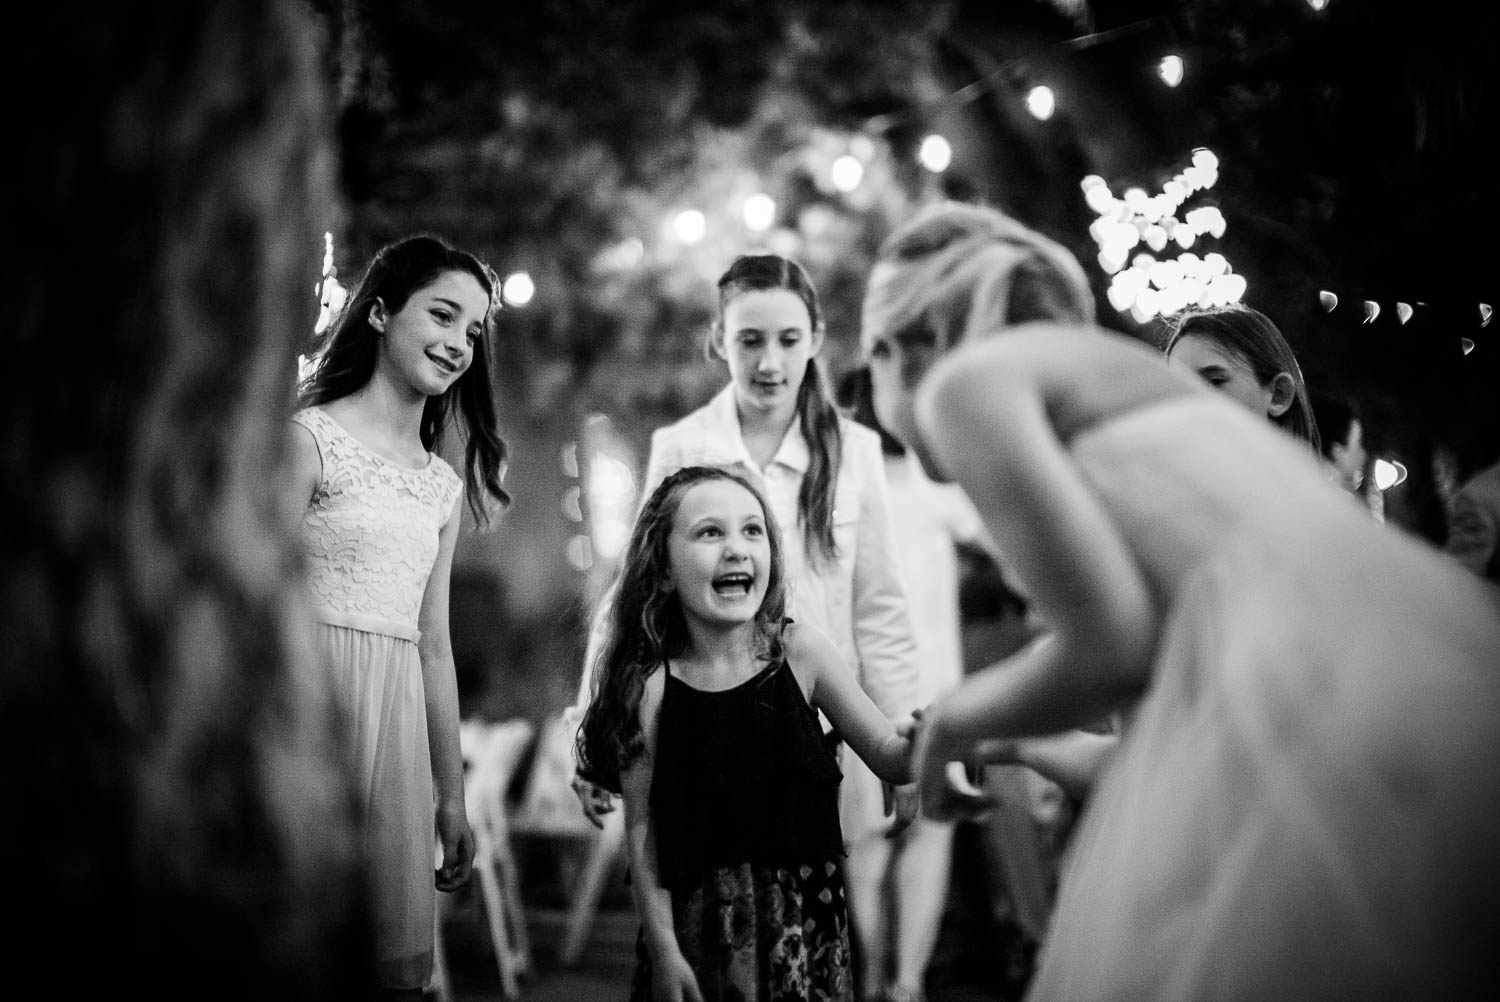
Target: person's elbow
(1114, 650)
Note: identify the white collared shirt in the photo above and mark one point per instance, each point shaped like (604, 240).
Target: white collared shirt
(857, 599)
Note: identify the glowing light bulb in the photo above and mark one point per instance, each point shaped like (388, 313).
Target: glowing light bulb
(847, 172)
(1403, 312)
(572, 509)
(1328, 300)
(1170, 70)
(1372, 310)
(1388, 473)
(1041, 102)
(1484, 314)
(580, 553)
(1100, 200)
(690, 226)
(518, 288)
(935, 154)
(1318, 5)
(1466, 344)
(760, 212)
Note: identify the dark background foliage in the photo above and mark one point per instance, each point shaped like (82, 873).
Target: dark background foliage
(560, 137)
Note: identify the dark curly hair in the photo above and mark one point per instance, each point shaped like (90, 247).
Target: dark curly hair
(646, 626)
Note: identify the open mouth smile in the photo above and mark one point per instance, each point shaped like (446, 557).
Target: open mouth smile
(735, 584)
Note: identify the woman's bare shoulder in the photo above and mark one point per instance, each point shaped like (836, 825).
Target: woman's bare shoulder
(1081, 374)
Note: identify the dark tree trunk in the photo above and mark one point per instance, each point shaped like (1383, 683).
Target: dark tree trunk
(176, 805)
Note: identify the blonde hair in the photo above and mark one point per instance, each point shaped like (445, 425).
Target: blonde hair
(962, 271)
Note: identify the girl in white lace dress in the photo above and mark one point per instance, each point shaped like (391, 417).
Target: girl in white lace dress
(382, 514)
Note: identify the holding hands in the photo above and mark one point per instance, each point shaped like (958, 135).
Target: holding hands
(938, 766)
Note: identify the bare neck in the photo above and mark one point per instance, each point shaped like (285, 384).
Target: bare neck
(717, 657)
(762, 431)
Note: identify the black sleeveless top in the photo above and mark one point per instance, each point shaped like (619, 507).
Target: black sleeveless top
(742, 775)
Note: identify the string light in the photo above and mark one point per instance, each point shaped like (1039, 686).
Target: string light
(1466, 344)
(1484, 314)
(1403, 312)
(690, 226)
(1328, 300)
(331, 294)
(1388, 473)
(518, 288)
(760, 212)
(1041, 102)
(1170, 70)
(611, 490)
(935, 154)
(580, 553)
(1150, 286)
(847, 172)
(1372, 310)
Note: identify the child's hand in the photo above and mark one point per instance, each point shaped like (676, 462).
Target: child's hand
(673, 980)
(595, 800)
(457, 840)
(947, 793)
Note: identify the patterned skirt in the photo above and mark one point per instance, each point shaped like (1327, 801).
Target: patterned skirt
(762, 934)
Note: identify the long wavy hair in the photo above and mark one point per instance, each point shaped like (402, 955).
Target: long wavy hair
(961, 271)
(345, 360)
(1252, 337)
(647, 626)
(817, 417)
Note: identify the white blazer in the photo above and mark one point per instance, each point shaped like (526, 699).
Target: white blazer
(858, 599)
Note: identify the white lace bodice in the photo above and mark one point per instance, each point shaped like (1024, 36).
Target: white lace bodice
(371, 529)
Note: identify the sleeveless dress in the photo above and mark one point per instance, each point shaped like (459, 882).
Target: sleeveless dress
(1306, 802)
(745, 800)
(371, 535)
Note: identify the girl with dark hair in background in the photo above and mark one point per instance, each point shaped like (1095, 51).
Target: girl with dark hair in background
(381, 520)
(1240, 352)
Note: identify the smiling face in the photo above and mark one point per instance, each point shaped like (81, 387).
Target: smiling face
(719, 554)
(767, 338)
(1230, 374)
(428, 343)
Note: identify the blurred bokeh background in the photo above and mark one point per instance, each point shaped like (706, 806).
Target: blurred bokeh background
(614, 157)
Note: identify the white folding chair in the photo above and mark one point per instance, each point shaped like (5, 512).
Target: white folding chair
(491, 751)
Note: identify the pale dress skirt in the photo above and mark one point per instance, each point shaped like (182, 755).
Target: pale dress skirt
(380, 678)
(1307, 803)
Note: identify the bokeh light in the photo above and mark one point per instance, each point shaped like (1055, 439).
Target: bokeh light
(690, 226)
(1388, 473)
(760, 212)
(1041, 102)
(847, 172)
(935, 154)
(1170, 70)
(518, 288)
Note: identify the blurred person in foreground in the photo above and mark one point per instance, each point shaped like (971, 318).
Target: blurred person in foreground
(1306, 799)
(177, 788)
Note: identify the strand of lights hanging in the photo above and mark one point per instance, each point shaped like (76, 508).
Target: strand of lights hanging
(331, 296)
(1404, 312)
(1143, 284)
(847, 172)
